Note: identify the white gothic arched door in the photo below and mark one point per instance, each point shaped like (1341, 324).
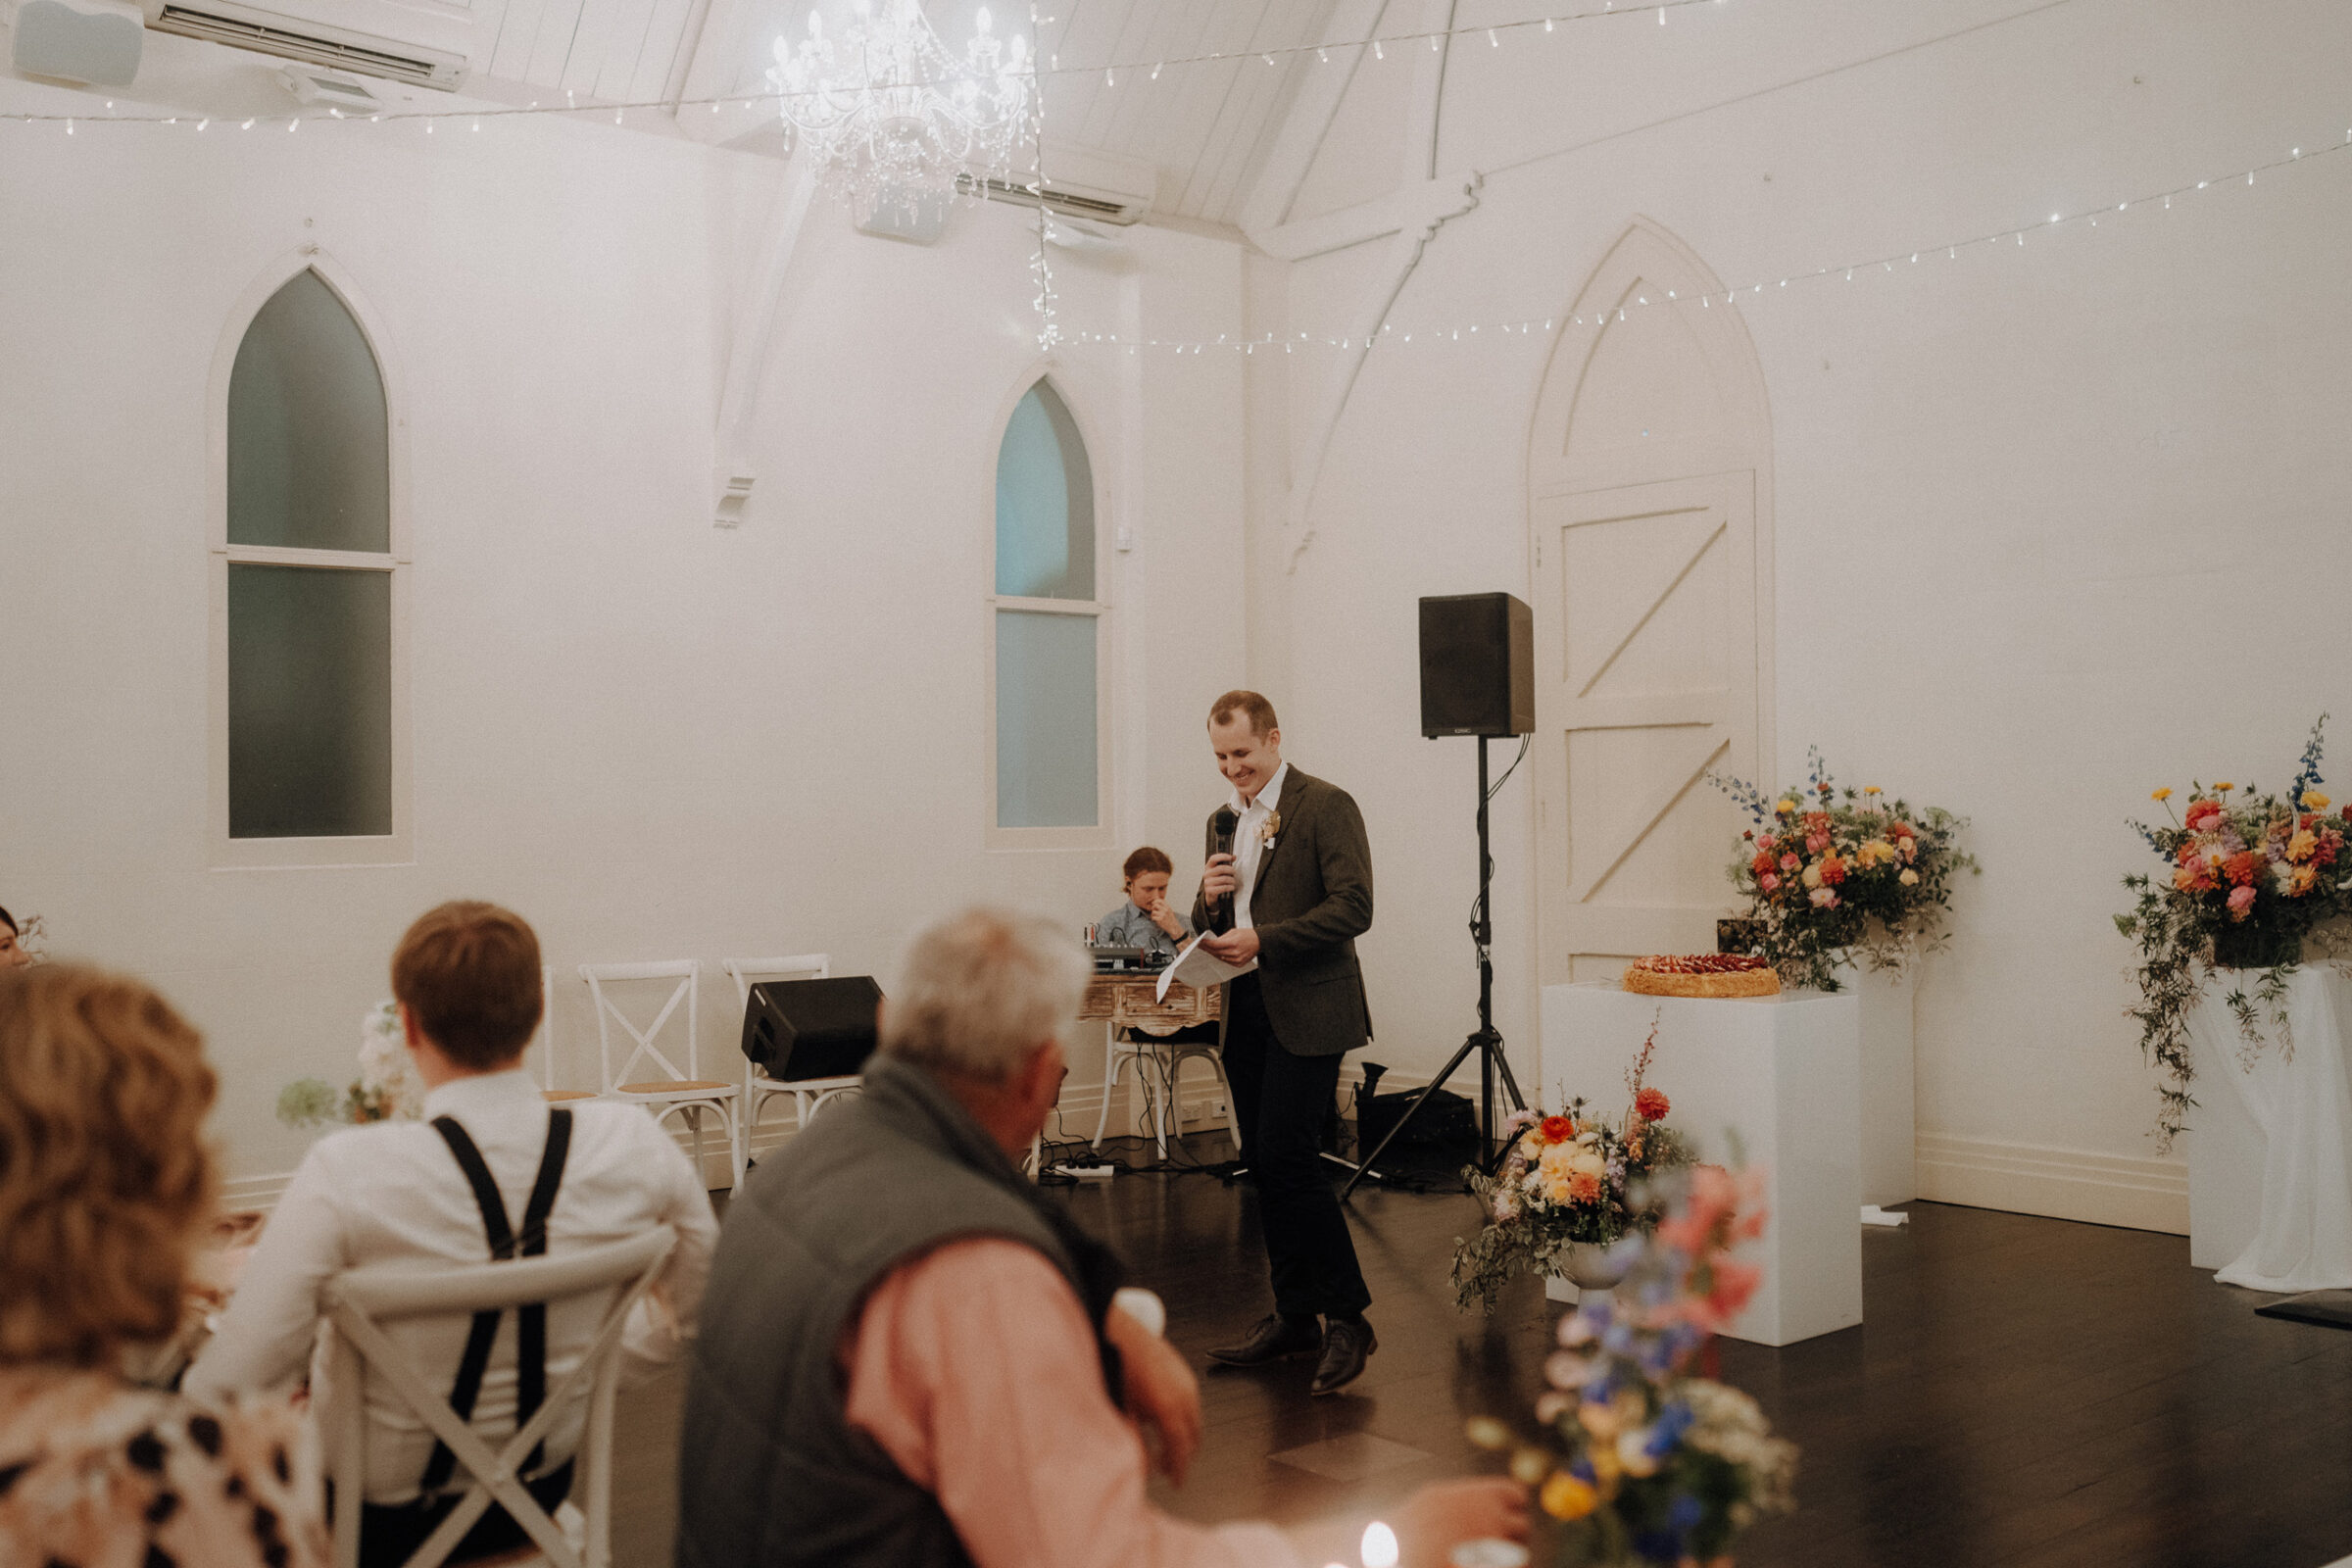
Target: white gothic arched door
(1650, 549)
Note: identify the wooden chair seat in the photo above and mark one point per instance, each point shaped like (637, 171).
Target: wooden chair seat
(555, 1097)
(671, 1086)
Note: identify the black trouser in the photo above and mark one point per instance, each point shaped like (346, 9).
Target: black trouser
(391, 1533)
(1280, 1101)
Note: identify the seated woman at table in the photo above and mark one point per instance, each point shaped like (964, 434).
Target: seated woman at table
(1145, 919)
(105, 1186)
(14, 954)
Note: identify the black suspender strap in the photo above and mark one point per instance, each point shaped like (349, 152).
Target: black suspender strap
(530, 1367)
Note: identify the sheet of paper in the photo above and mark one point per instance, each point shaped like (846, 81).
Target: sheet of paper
(1196, 965)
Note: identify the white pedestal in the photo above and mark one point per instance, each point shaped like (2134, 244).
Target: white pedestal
(1889, 1122)
(2269, 1141)
(1779, 1075)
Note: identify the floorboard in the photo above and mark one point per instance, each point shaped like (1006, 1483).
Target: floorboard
(2023, 1391)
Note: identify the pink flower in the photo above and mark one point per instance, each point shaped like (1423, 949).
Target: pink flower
(1768, 881)
(1823, 898)
(1789, 863)
(2241, 900)
(1815, 843)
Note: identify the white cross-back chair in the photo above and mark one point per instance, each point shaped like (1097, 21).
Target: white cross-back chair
(547, 1044)
(360, 1302)
(1164, 1059)
(668, 1089)
(809, 1094)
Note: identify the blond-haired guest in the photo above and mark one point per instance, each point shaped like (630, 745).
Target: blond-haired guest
(105, 1183)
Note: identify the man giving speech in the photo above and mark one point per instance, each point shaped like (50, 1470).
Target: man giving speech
(1293, 894)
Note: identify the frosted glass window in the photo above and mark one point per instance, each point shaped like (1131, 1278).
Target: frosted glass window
(308, 460)
(1045, 503)
(1045, 759)
(309, 702)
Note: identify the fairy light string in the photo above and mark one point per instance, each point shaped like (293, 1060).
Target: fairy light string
(1388, 336)
(1111, 72)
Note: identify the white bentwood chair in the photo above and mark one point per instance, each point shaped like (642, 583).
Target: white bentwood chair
(676, 1090)
(809, 1094)
(547, 1044)
(360, 1302)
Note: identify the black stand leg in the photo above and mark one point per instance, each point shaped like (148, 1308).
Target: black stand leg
(1485, 1040)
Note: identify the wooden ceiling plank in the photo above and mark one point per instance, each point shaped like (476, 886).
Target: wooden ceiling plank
(1270, 89)
(1171, 32)
(1298, 134)
(1221, 126)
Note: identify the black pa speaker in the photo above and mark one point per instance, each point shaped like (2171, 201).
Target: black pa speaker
(1478, 665)
(797, 1029)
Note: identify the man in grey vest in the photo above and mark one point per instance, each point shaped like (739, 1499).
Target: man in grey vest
(909, 1359)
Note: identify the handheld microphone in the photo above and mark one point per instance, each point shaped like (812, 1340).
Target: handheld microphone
(1222, 826)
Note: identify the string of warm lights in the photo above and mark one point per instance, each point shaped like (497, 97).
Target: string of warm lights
(1041, 266)
(1113, 72)
(1387, 336)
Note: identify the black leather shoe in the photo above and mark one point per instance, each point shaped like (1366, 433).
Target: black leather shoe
(1348, 1344)
(1275, 1339)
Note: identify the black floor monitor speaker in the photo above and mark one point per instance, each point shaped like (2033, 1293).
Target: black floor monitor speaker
(1478, 665)
(798, 1029)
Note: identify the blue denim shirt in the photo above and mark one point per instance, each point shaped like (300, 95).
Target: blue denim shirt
(1130, 927)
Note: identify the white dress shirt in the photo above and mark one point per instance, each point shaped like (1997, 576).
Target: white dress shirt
(393, 1191)
(1248, 841)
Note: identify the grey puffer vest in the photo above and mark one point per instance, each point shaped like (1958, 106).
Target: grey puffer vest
(770, 1473)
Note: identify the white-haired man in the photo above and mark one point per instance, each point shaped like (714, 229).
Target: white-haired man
(910, 1358)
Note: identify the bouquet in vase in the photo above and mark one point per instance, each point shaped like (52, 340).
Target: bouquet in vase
(2249, 878)
(386, 1088)
(1830, 873)
(1571, 1185)
(1643, 1461)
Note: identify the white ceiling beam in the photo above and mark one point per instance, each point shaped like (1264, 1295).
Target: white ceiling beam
(1308, 121)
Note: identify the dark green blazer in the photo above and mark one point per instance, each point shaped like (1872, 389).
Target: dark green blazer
(1313, 898)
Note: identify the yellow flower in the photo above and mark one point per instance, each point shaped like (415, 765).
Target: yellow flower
(2164, 794)
(2225, 787)
(1871, 789)
(1909, 878)
(1786, 808)
(1813, 875)
(1566, 1498)
(2299, 847)
(2314, 801)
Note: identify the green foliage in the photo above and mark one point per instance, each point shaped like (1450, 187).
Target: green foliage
(310, 1103)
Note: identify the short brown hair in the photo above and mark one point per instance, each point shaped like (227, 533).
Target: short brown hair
(1261, 711)
(104, 1174)
(1147, 860)
(468, 974)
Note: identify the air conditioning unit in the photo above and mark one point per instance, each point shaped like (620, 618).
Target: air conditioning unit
(424, 48)
(1080, 183)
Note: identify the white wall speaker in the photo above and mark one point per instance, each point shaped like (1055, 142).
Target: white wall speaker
(93, 42)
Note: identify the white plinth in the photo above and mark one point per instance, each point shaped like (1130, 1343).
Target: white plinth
(1889, 1123)
(2269, 1141)
(1779, 1075)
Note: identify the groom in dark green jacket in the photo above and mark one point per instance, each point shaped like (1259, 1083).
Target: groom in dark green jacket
(1291, 896)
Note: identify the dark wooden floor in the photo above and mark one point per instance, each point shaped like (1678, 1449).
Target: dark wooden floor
(2023, 1391)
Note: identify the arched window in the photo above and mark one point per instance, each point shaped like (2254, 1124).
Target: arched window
(309, 578)
(1049, 618)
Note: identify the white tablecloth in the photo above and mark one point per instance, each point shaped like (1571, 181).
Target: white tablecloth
(2300, 1104)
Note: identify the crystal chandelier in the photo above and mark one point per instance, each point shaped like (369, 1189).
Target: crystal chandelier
(890, 113)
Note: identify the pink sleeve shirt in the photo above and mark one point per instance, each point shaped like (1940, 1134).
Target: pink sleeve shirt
(974, 1368)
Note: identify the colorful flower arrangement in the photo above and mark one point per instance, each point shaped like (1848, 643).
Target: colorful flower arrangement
(386, 1088)
(1641, 1459)
(1829, 873)
(1567, 1182)
(2251, 877)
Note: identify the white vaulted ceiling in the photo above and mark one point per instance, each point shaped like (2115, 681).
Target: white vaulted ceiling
(1203, 124)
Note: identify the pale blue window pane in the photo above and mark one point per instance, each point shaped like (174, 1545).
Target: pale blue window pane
(1045, 503)
(309, 456)
(309, 703)
(1044, 719)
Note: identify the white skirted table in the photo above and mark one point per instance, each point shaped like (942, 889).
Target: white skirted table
(2269, 1141)
(1779, 1076)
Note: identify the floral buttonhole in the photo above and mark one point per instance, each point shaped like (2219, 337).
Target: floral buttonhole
(1269, 829)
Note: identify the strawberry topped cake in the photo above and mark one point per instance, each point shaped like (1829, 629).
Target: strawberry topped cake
(1702, 974)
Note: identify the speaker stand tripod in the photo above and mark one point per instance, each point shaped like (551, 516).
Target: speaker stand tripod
(1486, 1038)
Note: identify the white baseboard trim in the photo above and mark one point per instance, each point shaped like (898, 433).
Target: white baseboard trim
(2137, 1193)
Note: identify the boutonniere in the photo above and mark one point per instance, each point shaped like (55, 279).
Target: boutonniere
(1269, 829)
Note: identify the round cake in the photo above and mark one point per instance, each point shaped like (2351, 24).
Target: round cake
(1702, 974)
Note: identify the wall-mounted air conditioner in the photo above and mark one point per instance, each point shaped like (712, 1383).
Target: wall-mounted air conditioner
(1080, 183)
(424, 47)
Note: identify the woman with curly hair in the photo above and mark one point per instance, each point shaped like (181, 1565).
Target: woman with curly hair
(105, 1184)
